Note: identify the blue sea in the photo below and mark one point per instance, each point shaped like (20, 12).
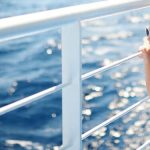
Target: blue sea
(32, 64)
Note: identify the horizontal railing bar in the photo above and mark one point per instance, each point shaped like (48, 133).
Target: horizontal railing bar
(114, 118)
(108, 67)
(142, 147)
(30, 99)
(23, 25)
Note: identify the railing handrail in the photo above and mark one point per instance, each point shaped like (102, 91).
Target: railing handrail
(39, 95)
(114, 118)
(142, 147)
(69, 18)
(110, 66)
(30, 99)
(23, 25)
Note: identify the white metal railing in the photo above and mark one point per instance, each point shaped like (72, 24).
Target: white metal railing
(30, 99)
(115, 117)
(39, 95)
(21, 26)
(146, 144)
(68, 19)
(110, 66)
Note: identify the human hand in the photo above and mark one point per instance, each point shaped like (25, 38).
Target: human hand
(145, 49)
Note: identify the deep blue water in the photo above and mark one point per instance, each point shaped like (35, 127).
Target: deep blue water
(32, 64)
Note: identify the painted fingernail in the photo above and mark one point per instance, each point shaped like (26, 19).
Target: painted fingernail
(147, 32)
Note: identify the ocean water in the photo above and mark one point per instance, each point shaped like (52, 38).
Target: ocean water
(32, 64)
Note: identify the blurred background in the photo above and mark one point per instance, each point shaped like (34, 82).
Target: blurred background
(32, 64)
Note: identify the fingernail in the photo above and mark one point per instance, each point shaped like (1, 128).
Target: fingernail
(147, 32)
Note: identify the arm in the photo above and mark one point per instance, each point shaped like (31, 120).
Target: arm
(146, 56)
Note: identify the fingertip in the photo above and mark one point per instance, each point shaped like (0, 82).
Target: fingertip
(143, 50)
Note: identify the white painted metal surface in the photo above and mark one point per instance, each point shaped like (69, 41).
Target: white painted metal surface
(69, 19)
(114, 118)
(71, 95)
(21, 26)
(30, 99)
(110, 66)
(144, 146)
(38, 96)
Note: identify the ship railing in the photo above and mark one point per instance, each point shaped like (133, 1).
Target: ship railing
(69, 21)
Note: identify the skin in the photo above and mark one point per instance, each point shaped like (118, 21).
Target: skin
(146, 57)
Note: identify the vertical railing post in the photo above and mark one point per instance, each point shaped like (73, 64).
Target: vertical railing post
(71, 95)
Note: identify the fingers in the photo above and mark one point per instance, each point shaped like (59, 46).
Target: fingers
(145, 49)
(148, 39)
(141, 49)
(145, 52)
